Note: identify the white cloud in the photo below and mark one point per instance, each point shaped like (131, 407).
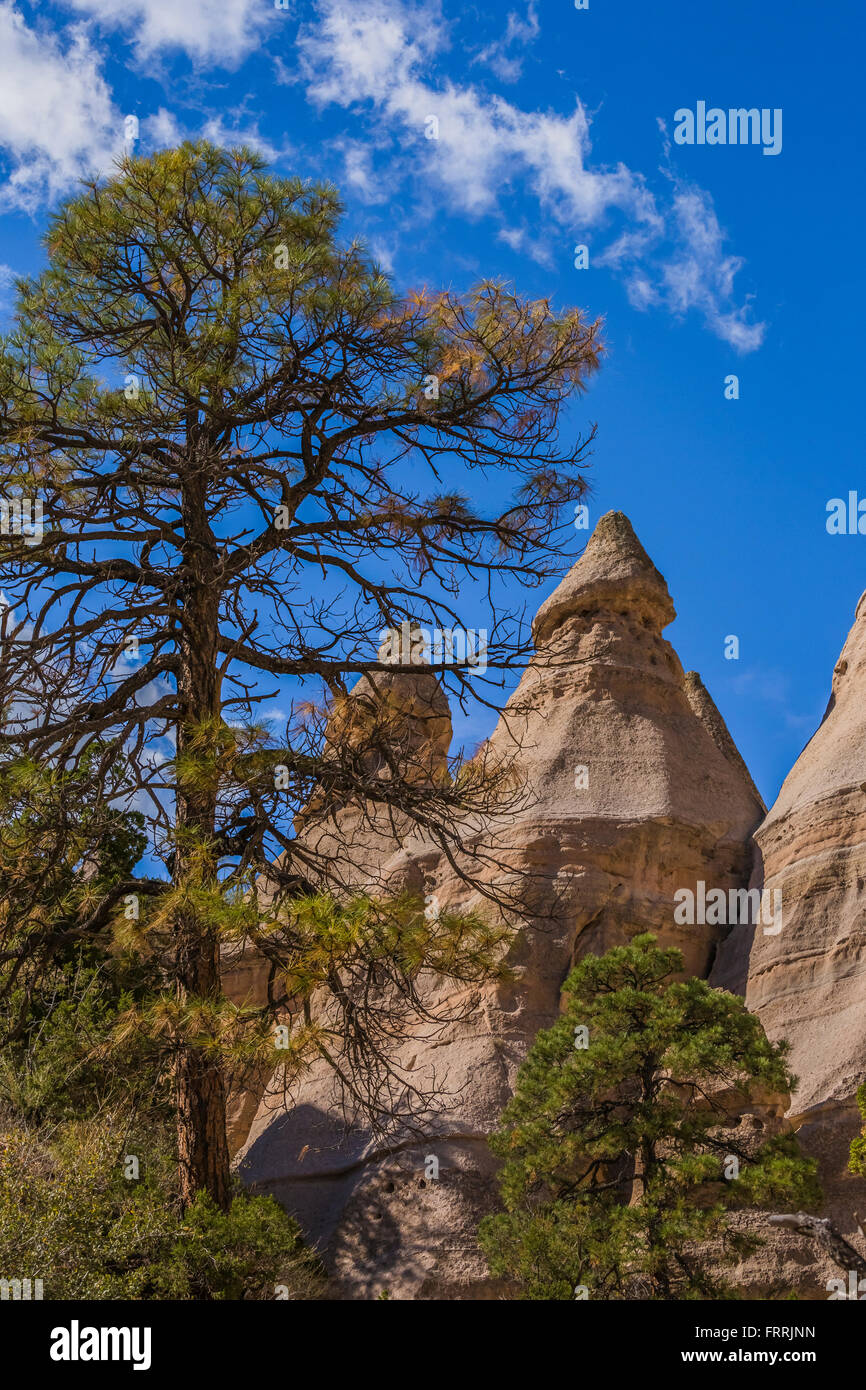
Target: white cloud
(701, 275)
(520, 239)
(232, 133)
(694, 272)
(7, 280)
(366, 51)
(222, 32)
(359, 173)
(520, 31)
(382, 252)
(162, 130)
(57, 119)
(378, 54)
(369, 52)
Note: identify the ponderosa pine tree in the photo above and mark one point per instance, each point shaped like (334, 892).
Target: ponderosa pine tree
(621, 1154)
(237, 432)
(67, 857)
(74, 1111)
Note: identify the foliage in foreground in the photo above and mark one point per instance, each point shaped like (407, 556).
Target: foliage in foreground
(857, 1161)
(622, 1155)
(70, 1216)
(223, 409)
(75, 1213)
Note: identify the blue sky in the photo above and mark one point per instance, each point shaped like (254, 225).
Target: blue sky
(555, 128)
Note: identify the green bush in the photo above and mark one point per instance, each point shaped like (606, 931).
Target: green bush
(615, 1145)
(857, 1164)
(69, 1217)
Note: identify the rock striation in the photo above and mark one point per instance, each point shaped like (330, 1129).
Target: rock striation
(631, 789)
(807, 982)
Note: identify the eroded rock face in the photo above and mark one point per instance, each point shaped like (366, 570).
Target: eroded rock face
(667, 800)
(787, 1262)
(631, 790)
(807, 982)
(390, 718)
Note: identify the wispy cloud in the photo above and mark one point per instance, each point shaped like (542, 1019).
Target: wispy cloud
(7, 280)
(500, 56)
(163, 130)
(773, 687)
(379, 55)
(57, 118)
(219, 32)
(359, 172)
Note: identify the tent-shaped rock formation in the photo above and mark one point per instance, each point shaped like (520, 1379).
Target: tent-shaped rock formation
(631, 788)
(807, 982)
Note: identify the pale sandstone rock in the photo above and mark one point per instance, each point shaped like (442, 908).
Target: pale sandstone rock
(668, 802)
(410, 711)
(788, 1263)
(808, 982)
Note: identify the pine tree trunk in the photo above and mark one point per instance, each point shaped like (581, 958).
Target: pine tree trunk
(200, 1088)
